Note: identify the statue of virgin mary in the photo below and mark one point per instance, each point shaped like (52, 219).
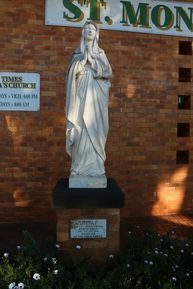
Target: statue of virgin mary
(87, 110)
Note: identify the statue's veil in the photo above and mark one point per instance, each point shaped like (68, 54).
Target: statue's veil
(95, 47)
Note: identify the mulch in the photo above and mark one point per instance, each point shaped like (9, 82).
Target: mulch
(181, 226)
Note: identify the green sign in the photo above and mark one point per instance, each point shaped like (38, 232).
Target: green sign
(156, 17)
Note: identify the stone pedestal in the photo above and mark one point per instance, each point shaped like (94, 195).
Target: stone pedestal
(89, 208)
(76, 181)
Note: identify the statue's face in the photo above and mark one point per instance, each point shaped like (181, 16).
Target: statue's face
(89, 32)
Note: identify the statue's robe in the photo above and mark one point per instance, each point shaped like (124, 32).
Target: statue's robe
(87, 113)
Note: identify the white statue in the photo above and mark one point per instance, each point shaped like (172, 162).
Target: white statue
(87, 110)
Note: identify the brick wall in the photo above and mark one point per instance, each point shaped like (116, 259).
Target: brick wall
(143, 112)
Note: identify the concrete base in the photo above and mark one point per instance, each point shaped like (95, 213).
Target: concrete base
(65, 197)
(78, 181)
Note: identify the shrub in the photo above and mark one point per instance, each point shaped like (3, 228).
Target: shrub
(149, 262)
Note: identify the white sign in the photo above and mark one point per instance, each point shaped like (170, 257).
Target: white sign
(146, 16)
(19, 91)
(88, 228)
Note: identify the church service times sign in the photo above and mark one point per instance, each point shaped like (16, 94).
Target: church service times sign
(19, 91)
(146, 16)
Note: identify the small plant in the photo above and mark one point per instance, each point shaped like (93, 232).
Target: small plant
(149, 262)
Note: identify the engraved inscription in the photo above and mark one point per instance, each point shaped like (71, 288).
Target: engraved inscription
(88, 228)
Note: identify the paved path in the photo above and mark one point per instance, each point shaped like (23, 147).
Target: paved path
(179, 226)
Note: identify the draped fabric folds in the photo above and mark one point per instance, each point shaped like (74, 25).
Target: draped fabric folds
(87, 113)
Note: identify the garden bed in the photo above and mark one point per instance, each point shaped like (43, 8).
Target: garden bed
(150, 261)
